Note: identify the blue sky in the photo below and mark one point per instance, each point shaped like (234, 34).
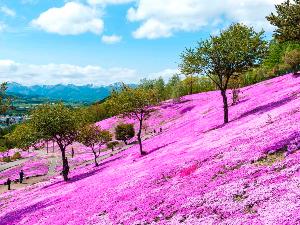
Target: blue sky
(105, 41)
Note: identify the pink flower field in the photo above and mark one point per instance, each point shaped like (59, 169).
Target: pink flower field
(197, 171)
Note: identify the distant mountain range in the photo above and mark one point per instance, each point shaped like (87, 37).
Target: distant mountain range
(67, 93)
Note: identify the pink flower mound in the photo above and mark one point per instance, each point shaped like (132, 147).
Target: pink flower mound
(198, 171)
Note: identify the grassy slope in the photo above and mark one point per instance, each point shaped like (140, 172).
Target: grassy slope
(197, 171)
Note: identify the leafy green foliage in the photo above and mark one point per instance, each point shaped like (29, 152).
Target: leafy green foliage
(233, 52)
(276, 53)
(124, 132)
(4, 100)
(56, 122)
(98, 112)
(16, 156)
(24, 136)
(59, 123)
(177, 92)
(112, 144)
(287, 21)
(92, 135)
(134, 103)
(292, 58)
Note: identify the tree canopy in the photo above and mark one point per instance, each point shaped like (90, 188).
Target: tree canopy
(59, 123)
(234, 51)
(134, 103)
(124, 132)
(4, 99)
(92, 136)
(24, 136)
(287, 21)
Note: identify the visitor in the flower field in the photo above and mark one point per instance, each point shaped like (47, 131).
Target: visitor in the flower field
(8, 183)
(66, 168)
(160, 130)
(73, 152)
(154, 131)
(21, 176)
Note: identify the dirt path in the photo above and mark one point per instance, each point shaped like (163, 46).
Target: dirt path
(53, 160)
(27, 182)
(12, 164)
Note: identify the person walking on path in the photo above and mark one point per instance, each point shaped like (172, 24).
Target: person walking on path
(21, 176)
(8, 183)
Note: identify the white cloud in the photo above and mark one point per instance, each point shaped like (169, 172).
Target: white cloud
(165, 74)
(111, 39)
(2, 26)
(164, 18)
(107, 2)
(71, 19)
(7, 11)
(30, 74)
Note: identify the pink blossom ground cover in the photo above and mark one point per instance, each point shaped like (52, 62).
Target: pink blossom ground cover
(31, 168)
(198, 171)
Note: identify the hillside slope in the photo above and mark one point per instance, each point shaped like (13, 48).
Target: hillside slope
(197, 170)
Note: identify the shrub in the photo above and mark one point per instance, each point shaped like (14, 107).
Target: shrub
(6, 159)
(124, 132)
(292, 58)
(16, 156)
(112, 144)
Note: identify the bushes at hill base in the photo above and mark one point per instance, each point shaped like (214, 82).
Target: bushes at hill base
(124, 132)
(111, 145)
(6, 159)
(16, 156)
(292, 59)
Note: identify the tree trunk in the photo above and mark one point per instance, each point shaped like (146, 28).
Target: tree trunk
(225, 105)
(47, 147)
(53, 146)
(66, 168)
(95, 158)
(140, 139)
(125, 141)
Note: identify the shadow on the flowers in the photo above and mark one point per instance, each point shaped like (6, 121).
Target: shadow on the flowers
(160, 147)
(187, 109)
(101, 167)
(16, 216)
(82, 176)
(258, 110)
(267, 107)
(174, 104)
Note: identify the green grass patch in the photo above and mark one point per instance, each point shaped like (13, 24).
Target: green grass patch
(270, 159)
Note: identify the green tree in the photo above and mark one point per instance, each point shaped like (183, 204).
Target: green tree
(159, 87)
(4, 100)
(134, 103)
(287, 21)
(234, 51)
(112, 145)
(177, 92)
(172, 83)
(93, 136)
(292, 58)
(24, 136)
(124, 132)
(59, 123)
